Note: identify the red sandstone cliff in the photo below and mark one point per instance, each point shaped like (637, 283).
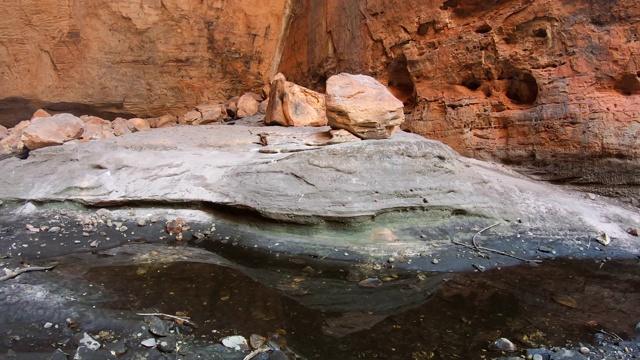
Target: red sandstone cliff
(550, 85)
(138, 57)
(553, 84)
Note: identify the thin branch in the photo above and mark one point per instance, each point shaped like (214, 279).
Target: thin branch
(474, 245)
(24, 270)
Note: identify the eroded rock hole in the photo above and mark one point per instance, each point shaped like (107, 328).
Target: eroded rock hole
(471, 83)
(541, 33)
(629, 84)
(423, 29)
(483, 29)
(522, 89)
(400, 82)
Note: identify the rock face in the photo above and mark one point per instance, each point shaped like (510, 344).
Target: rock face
(50, 131)
(363, 106)
(549, 85)
(290, 104)
(134, 58)
(343, 183)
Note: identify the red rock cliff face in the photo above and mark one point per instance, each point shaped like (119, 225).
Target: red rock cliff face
(550, 85)
(142, 57)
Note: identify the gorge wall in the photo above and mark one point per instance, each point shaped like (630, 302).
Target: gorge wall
(553, 86)
(550, 86)
(133, 57)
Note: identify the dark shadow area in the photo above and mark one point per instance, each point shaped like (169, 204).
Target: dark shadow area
(629, 84)
(522, 89)
(400, 82)
(16, 109)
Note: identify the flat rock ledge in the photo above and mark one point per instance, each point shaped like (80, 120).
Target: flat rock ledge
(401, 196)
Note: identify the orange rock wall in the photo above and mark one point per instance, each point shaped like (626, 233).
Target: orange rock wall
(551, 85)
(136, 57)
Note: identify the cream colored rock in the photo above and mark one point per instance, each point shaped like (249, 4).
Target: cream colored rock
(121, 127)
(293, 105)
(363, 106)
(190, 117)
(211, 113)
(95, 127)
(303, 107)
(247, 106)
(139, 124)
(51, 131)
(4, 132)
(262, 109)
(166, 121)
(40, 113)
(275, 112)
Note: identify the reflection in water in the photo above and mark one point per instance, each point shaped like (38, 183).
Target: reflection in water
(327, 315)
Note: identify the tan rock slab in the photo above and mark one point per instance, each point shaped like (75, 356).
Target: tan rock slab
(363, 106)
(247, 106)
(51, 131)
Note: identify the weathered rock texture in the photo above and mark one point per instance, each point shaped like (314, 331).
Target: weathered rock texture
(544, 83)
(290, 104)
(142, 58)
(51, 131)
(363, 106)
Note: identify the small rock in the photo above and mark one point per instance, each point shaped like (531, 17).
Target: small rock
(117, 348)
(370, 282)
(435, 261)
(545, 249)
(1, 202)
(591, 196)
(391, 260)
(256, 340)
(537, 357)
(149, 343)
(604, 239)
(565, 354)
(123, 228)
(584, 350)
(630, 231)
(58, 355)
(89, 342)
(503, 344)
(308, 270)
(48, 325)
(141, 222)
(156, 326)
(236, 342)
(167, 344)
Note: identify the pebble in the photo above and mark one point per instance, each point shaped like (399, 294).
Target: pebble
(94, 243)
(123, 228)
(167, 344)
(503, 344)
(156, 326)
(1, 202)
(537, 357)
(584, 350)
(370, 282)
(435, 261)
(89, 342)
(54, 229)
(236, 342)
(391, 260)
(256, 340)
(545, 249)
(116, 348)
(149, 343)
(141, 222)
(48, 325)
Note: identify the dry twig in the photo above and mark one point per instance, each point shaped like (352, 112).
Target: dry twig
(24, 270)
(474, 245)
(183, 319)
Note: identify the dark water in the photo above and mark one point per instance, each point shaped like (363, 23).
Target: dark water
(327, 315)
